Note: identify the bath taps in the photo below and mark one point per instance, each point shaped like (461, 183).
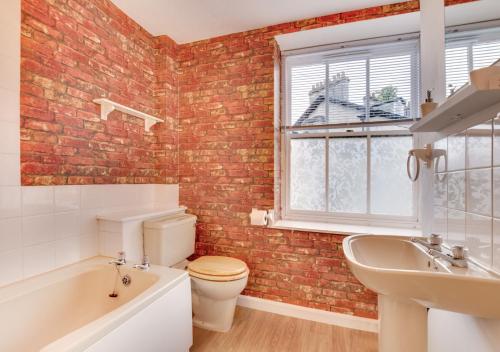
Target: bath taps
(120, 260)
(144, 265)
(432, 243)
(457, 258)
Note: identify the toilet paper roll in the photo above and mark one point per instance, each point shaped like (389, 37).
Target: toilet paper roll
(258, 217)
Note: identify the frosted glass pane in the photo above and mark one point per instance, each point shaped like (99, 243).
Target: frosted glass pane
(347, 180)
(307, 174)
(391, 190)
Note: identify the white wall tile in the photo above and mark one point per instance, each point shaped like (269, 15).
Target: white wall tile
(66, 198)
(67, 224)
(142, 195)
(456, 152)
(88, 221)
(11, 264)
(10, 202)
(441, 163)
(496, 244)
(9, 73)
(496, 192)
(38, 200)
(496, 142)
(110, 243)
(67, 251)
(456, 227)
(456, 190)
(439, 224)
(11, 43)
(9, 137)
(10, 103)
(166, 195)
(39, 259)
(10, 18)
(10, 234)
(479, 193)
(89, 245)
(478, 235)
(11, 172)
(97, 196)
(479, 145)
(38, 229)
(440, 189)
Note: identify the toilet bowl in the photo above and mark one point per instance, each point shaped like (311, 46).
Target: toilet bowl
(216, 282)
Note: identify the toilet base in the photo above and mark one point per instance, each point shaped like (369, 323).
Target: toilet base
(214, 303)
(212, 314)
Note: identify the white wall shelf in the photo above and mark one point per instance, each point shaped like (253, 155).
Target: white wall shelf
(467, 103)
(108, 106)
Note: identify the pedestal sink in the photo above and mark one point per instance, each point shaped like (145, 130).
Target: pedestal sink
(408, 281)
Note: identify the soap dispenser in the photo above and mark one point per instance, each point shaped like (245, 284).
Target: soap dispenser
(429, 104)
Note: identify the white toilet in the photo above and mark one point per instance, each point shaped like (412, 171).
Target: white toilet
(216, 281)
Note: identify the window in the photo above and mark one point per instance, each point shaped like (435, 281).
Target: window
(467, 51)
(345, 133)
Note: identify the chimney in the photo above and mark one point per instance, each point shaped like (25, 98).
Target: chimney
(316, 90)
(339, 87)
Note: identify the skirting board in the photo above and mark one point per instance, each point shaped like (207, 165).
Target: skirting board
(320, 316)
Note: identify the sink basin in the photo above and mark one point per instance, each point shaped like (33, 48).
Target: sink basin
(409, 280)
(395, 266)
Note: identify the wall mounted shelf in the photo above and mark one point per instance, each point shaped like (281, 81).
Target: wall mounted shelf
(108, 106)
(467, 103)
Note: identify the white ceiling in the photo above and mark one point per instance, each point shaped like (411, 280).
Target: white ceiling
(191, 20)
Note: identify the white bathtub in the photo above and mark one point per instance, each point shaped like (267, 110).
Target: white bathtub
(69, 309)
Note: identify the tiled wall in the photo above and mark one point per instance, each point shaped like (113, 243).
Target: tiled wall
(45, 227)
(10, 19)
(467, 191)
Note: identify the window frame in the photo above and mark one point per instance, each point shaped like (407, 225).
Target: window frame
(467, 38)
(365, 219)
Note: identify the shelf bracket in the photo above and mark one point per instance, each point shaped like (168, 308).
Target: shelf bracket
(148, 123)
(106, 109)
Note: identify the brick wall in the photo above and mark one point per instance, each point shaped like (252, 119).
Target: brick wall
(227, 167)
(73, 52)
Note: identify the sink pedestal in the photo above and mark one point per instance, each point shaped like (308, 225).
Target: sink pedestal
(403, 325)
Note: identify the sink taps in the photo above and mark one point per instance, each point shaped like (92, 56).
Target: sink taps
(432, 243)
(120, 260)
(144, 265)
(457, 258)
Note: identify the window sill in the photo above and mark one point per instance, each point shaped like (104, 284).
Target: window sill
(344, 229)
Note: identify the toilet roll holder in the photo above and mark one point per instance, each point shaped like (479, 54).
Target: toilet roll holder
(262, 217)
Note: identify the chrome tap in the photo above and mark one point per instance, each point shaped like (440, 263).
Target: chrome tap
(431, 243)
(120, 260)
(144, 265)
(457, 258)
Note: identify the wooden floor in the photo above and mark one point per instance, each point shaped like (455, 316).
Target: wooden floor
(258, 331)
